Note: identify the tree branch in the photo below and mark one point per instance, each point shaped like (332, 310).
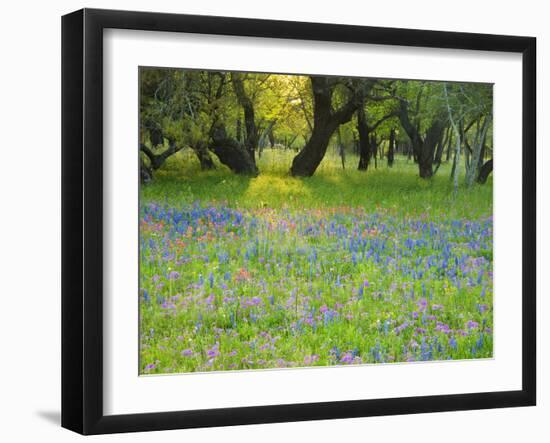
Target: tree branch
(383, 119)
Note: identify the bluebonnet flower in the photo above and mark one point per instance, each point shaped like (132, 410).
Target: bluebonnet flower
(211, 280)
(452, 343)
(146, 296)
(479, 341)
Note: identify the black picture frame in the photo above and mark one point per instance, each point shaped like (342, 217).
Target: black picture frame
(82, 215)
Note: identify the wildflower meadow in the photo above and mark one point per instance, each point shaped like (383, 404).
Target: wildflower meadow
(342, 268)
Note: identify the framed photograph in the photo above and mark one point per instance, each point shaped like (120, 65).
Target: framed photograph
(269, 221)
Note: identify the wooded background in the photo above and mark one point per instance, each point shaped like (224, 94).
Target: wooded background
(234, 116)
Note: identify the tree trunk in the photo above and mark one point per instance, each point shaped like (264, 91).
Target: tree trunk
(325, 122)
(453, 167)
(431, 140)
(203, 155)
(374, 149)
(231, 153)
(423, 149)
(441, 147)
(454, 125)
(265, 134)
(341, 150)
(145, 172)
(309, 158)
(482, 155)
(156, 137)
(479, 142)
(467, 147)
(251, 139)
(391, 147)
(271, 138)
(439, 150)
(449, 147)
(456, 164)
(157, 160)
(484, 172)
(238, 130)
(410, 129)
(364, 139)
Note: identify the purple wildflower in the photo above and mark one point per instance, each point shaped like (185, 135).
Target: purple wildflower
(482, 308)
(442, 327)
(401, 327)
(173, 275)
(310, 359)
(214, 351)
(470, 324)
(347, 358)
(422, 304)
(209, 300)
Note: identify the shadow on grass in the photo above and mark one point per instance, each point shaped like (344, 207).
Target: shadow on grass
(398, 189)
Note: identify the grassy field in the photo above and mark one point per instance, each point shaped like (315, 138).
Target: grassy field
(341, 268)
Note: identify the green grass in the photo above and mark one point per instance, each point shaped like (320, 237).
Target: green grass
(398, 189)
(343, 267)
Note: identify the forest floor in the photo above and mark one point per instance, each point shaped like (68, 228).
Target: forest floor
(345, 267)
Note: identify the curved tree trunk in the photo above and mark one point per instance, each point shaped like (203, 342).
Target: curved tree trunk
(231, 153)
(477, 154)
(439, 150)
(423, 149)
(307, 160)
(484, 172)
(157, 160)
(431, 141)
(205, 160)
(325, 122)
(145, 173)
